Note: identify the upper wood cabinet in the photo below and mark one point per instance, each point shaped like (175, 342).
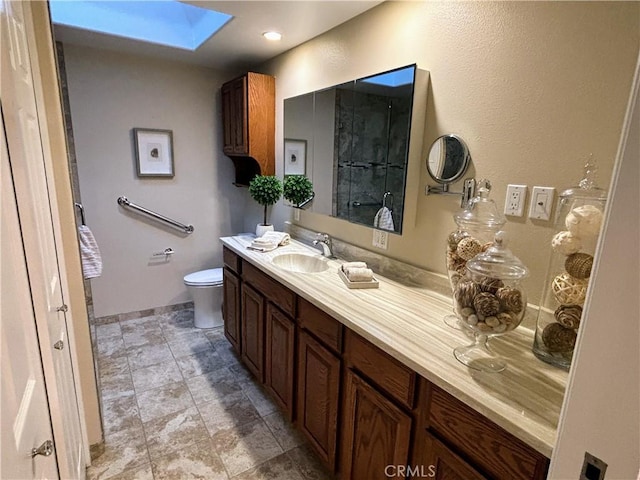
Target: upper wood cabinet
(248, 125)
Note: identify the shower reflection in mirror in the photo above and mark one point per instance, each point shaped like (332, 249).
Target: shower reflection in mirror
(358, 141)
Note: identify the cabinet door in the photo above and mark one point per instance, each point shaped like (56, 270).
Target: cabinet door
(240, 114)
(440, 463)
(228, 118)
(318, 397)
(279, 358)
(252, 331)
(376, 433)
(231, 308)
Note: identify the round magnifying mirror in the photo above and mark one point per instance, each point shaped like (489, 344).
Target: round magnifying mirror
(448, 159)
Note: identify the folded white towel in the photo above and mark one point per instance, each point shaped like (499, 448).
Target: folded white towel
(280, 238)
(359, 274)
(347, 265)
(383, 219)
(89, 253)
(269, 241)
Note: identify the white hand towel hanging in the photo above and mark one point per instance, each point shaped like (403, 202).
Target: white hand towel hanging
(383, 219)
(90, 253)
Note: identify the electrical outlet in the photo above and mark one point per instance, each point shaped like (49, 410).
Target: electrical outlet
(296, 214)
(380, 239)
(541, 203)
(514, 203)
(593, 468)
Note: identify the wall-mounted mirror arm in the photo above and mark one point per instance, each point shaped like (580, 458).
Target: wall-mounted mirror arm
(468, 190)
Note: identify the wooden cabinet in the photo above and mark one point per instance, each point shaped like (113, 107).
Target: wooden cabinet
(231, 308)
(376, 433)
(280, 358)
(387, 414)
(252, 328)
(248, 124)
(484, 446)
(441, 463)
(318, 397)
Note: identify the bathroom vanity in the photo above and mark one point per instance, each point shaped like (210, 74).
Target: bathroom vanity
(368, 376)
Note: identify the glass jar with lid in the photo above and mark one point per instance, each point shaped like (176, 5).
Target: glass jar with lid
(579, 217)
(489, 301)
(478, 224)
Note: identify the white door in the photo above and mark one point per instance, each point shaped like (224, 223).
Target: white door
(35, 206)
(24, 408)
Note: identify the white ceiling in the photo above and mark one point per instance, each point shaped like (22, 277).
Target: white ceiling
(239, 44)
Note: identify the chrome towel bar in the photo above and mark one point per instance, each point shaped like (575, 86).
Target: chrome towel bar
(124, 202)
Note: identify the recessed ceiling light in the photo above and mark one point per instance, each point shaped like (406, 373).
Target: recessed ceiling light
(272, 35)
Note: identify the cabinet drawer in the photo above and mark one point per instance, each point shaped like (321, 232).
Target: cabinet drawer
(382, 369)
(231, 260)
(324, 327)
(486, 445)
(284, 298)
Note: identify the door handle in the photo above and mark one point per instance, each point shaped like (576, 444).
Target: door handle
(59, 345)
(63, 308)
(45, 449)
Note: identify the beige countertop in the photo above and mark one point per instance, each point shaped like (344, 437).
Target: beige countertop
(407, 322)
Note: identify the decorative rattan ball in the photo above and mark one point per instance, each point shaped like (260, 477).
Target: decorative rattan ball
(468, 248)
(486, 304)
(486, 246)
(454, 239)
(465, 292)
(558, 339)
(579, 265)
(454, 261)
(491, 285)
(584, 221)
(569, 315)
(566, 243)
(510, 299)
(569, 290)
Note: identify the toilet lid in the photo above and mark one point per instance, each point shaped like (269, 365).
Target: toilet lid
(212, 276)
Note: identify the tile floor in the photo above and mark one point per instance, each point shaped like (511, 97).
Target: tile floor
(177, 404)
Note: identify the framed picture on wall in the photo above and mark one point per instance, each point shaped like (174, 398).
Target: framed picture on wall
(295, 156)
(154, 152)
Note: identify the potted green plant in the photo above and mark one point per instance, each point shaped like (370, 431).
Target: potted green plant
(266, 190)
(298, 189)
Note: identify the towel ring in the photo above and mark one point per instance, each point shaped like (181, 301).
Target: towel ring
(384, 200)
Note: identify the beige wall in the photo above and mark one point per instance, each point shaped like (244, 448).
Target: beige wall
(109, 95)
(532, 87)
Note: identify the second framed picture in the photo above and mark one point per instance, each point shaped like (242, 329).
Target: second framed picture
(154, 152)
(295, 156)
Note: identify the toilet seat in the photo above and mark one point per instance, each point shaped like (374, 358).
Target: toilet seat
(204, 278)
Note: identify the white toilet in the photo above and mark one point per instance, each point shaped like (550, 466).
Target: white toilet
(205, 288)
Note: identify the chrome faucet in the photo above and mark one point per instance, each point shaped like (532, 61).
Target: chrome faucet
(324, 241)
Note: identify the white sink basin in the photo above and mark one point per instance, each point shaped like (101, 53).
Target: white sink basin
(301, 262)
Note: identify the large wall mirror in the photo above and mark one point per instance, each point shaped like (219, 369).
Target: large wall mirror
(357, 137)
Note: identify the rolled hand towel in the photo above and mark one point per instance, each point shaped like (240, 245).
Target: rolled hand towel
(279, 238)
(262, 246)
(349, 265)
(359, 274)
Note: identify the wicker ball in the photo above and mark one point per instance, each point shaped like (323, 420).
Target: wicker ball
(569, 290)
(468, 248)
(454, 261)
(569, 315)
(558, 339)
(491, 285)
(510, 299)
(505, 318)
(465, 292)
(486, 304)
(584, 221)
(566, 243)
(454, 239)
(579, 265)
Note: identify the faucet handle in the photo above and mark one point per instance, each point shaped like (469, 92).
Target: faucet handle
(323, 237)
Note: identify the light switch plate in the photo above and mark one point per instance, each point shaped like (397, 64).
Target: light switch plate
(515, 200)
(541, 203)
(380, 239)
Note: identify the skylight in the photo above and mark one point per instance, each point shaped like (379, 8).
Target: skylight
(164, 22)
(394, 78)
